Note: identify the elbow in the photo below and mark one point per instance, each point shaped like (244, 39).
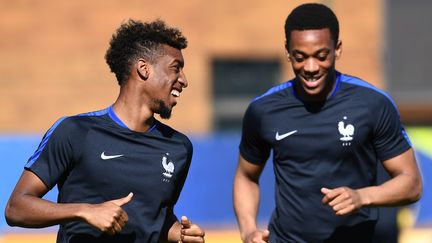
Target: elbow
(11, 215)
(419, 192)
(416, 191)
(8, 215)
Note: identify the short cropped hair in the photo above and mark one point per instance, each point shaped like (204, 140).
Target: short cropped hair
(311, 16)
(135, 39)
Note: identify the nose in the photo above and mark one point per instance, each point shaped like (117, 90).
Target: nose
(182, 80)
(311, 66)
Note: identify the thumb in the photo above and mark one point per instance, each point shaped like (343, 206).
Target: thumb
(185, 222)
(325, 190)
(122, 201)
(265, 235)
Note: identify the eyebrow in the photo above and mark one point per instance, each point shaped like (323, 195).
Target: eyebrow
(317, 52)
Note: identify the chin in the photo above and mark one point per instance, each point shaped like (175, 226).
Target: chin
(163, 110)
(313, 92)
(165, 115)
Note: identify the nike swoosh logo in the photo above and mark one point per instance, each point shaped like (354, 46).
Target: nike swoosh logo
(105, 157)
(282, 136)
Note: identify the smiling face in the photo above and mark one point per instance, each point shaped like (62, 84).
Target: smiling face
(312, 54)
(166, 81)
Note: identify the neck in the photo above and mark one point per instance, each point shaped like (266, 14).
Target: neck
(133, 111)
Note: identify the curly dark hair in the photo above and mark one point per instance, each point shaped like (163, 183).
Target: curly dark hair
(135, 39)
(311, 16)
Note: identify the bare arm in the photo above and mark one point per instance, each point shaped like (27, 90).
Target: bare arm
(246, 196)
(403, 188)
(26, 208)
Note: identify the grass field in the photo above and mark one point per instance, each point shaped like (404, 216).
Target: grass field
(211, 237)
(406, 236)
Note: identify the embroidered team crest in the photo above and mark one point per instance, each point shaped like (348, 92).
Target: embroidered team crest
(168, 168)
(347, 132)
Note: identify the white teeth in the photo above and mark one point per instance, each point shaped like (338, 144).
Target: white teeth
(311, 79)
(175, 93)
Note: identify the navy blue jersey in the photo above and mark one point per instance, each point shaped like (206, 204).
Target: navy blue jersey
(321, 144)
(94, 158)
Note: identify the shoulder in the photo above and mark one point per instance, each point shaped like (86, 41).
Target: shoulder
(274, 92)
(76, 124)
(365, 91)
(271, 97)
(170, 133)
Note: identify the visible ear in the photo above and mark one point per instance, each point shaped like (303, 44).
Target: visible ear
(143, 69)
(287, 54)
(338, 50)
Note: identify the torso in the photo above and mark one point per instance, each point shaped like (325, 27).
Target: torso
(315, 145)
(109, 161)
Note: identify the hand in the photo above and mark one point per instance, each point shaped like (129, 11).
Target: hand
(108, 217)
(257, 236)
(343, 200)
(190, 232)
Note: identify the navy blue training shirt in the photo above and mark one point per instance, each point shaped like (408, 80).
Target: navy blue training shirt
(94, 158)
(321, 144)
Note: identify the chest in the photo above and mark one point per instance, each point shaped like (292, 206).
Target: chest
(336, 129)
(145, 165)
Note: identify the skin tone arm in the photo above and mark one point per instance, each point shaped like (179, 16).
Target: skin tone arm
(246, 201)
(403, 188)
(186, 232)
(26, 208)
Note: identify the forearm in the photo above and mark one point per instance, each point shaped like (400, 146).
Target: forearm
(246, 201)
(33, 212)
(400, 190)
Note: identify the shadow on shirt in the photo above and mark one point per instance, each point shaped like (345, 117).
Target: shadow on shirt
(360, 233)
(85, 238)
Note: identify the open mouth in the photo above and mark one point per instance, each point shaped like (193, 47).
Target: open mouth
(312, 82)
(175, 93)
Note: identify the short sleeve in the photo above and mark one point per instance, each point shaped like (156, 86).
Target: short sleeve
(390, 138)
(252, 146)
(53, 156)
